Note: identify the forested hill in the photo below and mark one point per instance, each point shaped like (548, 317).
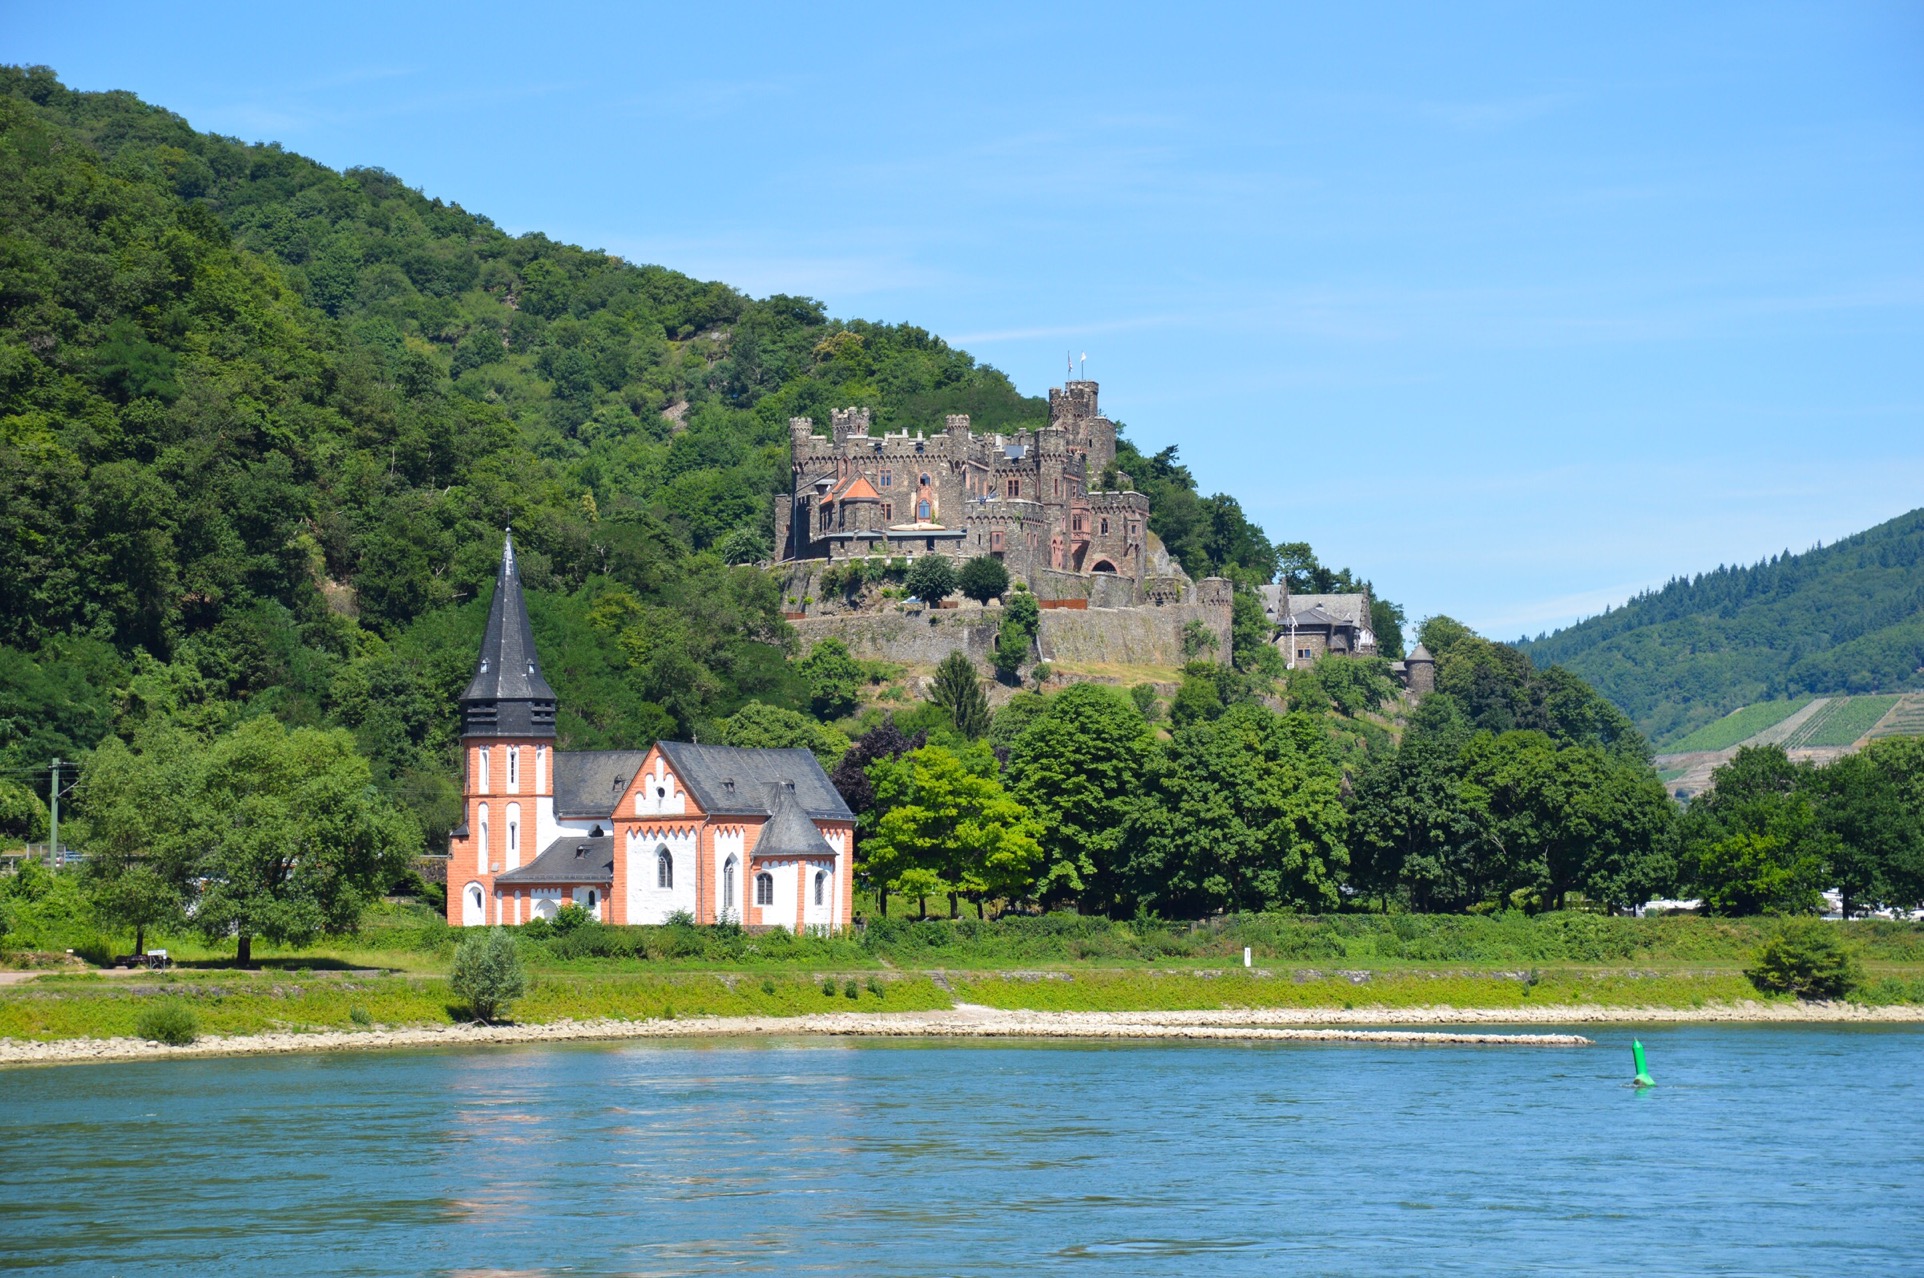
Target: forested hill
(1844, 618)
(261, 425)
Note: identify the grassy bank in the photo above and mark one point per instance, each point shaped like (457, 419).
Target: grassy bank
(393, 972)
(90, 1006)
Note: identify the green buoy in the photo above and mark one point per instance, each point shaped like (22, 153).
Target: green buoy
(1643, 1078)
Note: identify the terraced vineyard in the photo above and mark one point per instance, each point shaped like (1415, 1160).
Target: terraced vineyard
(1738, 726)
(1840, 722)
(1906, 721)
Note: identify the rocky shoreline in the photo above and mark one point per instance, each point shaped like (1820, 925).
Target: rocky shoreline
(969, 1021)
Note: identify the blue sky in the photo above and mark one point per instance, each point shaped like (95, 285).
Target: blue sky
(1515, 309)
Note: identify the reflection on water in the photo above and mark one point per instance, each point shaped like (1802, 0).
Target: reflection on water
(1763, 1149)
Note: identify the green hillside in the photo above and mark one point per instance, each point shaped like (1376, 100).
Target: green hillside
(1841, 619)
(262, 422)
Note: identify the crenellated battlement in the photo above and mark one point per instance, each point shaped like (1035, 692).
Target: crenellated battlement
(1023, 496)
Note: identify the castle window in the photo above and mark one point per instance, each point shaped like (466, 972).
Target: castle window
(925, 481)
(664, 868)
(922, 510)
(1058, 485)
(1105, 528)
(1015, 488)
(888, 478)
(1078, 523)
(1302, 654)
(997, 539)
(764, 889)
(888, 510)
(821, 881)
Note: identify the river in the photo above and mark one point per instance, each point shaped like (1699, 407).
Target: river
(1763, 1149)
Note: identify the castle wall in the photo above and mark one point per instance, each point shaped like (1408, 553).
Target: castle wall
(1145, 635)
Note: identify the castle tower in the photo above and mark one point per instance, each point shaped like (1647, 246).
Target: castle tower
(507, 744)
(1074, 410)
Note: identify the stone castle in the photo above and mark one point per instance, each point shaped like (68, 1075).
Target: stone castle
(1052, 505)
(1049, 502)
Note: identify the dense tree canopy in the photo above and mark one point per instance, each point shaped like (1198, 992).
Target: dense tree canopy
(1843, 618)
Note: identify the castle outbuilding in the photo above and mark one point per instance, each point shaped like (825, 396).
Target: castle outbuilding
(1311, 627)
(721, 833)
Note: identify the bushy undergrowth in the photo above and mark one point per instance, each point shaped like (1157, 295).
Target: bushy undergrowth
(1806, 958)
(171, 1023)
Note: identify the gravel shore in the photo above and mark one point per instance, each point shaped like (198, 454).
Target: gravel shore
(970, 1021)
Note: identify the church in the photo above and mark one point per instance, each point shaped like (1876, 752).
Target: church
(718, 833)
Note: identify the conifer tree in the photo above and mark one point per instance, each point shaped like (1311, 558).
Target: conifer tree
(957, 690)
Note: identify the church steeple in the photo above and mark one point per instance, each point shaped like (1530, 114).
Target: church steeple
(507, 696)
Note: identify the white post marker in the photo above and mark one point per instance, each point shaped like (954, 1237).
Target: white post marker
(1245, 956)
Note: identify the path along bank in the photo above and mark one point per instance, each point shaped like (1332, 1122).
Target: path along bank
(1395, 1026)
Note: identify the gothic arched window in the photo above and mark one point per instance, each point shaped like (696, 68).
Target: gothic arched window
(728, 884)
(664, 868)
(821, 882)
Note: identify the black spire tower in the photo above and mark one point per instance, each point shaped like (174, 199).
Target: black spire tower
(507, 696)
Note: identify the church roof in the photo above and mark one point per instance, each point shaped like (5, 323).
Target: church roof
(508, 668)
(789, 832)
(569, 859)
(588, 783)
(735, 780)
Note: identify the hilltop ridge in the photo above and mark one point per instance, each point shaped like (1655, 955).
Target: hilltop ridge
(1847, 618)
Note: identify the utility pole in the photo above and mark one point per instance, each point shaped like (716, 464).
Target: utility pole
(53, 839)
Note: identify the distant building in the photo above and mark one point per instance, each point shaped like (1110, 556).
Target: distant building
(1311, 627)
(757, 837)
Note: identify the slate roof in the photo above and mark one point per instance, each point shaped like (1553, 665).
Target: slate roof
(789, 832)
(1421, 654)
(708, 770)
(569, 859)
(508, 668)
(588, 783)
(508, 697)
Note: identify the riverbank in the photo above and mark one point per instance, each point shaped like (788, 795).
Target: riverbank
(972, 1021)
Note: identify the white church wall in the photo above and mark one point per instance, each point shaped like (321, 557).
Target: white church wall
(646, 901)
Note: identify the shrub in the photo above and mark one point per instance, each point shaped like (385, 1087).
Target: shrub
(875, 987)
(828, 987)
(1806, 958)
(171, 1023)
(768, 986)
(359, 1016)
(569, 917)
(849, 990)
(487, 973)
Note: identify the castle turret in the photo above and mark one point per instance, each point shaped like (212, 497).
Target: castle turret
(844, 422)
(1421, 666)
